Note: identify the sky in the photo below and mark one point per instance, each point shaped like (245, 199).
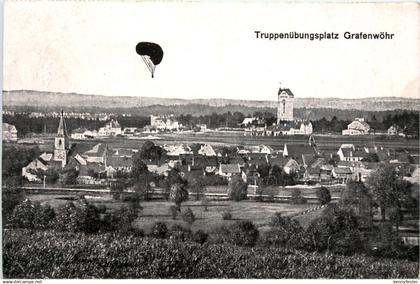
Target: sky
(210, 49)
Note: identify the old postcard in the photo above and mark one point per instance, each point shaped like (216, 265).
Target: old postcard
(199, 140)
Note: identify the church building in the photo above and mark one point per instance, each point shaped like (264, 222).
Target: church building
(61, 143)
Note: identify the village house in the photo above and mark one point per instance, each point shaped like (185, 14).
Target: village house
(229, 170)
(207, 150)
(358, 127)
(348, 152)
(343, 174)
(9, 132)
(112, 128)
(164, 123)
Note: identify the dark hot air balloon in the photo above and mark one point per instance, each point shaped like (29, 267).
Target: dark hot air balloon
(151, 53)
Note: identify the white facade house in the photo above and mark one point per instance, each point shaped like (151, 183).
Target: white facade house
(112, 128)
(164, 123)
(357, 127)
(9, 132)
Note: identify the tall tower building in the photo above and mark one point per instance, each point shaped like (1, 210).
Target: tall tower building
(285, 105)
(61, 143)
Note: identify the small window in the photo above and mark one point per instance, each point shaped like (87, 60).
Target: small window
(59, 142)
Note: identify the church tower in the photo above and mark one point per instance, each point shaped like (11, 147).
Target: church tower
(61, 143)
(285, 105)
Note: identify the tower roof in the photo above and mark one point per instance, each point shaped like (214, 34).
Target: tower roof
(62, 128)
(287, 90)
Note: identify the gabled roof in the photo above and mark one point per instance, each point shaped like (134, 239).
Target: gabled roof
(313, 171)
(119, 162)
(287, 90)
(230, 168)
(342, 171)
(295, 150)
(96, 151)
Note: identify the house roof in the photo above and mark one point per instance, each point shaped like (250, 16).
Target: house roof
(96, 151)
(342, 171)
(313, 171)
(8, 127)
(277, 160)
(287, 90)
(230, 168)
(294, 150)
(119, 162)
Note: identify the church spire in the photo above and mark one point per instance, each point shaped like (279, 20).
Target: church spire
(62, 128)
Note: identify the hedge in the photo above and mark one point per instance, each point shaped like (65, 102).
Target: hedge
(51, 254)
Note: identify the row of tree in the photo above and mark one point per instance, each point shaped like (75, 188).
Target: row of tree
(407, 120)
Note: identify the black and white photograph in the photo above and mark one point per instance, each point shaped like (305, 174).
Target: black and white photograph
(210, 140)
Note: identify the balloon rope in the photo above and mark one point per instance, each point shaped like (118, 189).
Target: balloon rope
(149, 64)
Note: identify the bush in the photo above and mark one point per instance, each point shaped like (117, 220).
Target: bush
(226, 216)
(78, 217)
(180, 233)
(323, 195)
(200, 237)
(173, 210)
(283, 231)
(44, 216)
(297, 197)
(188, 216)
(237, 189)
(23, 215)
(243, 233)
(159, 230)
(336, 230)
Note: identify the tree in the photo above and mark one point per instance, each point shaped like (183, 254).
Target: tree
(335, 230)
(396, 217)
(44, 216)
(276, 175)
(243, 233)
(283, 231)
(388, 188)
(117, 188)
(68, 176)
(139, 168)
(197, 187)
(178, 194)
(23, 215)
(238, 189)
(323, 195)
(12, 195)
(297, 197)
(159, 230)
(149, 151)
(188, 216)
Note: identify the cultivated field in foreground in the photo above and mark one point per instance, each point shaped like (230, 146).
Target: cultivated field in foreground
(49, 254)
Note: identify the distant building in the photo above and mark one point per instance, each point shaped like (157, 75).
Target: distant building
(285, 105)
(357, 127)
(112, 128)
(164, 123)
(348, 152)
(9, 132)
(395, 130)
(78, 134)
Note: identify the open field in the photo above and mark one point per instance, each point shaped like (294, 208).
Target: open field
(158, 211)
